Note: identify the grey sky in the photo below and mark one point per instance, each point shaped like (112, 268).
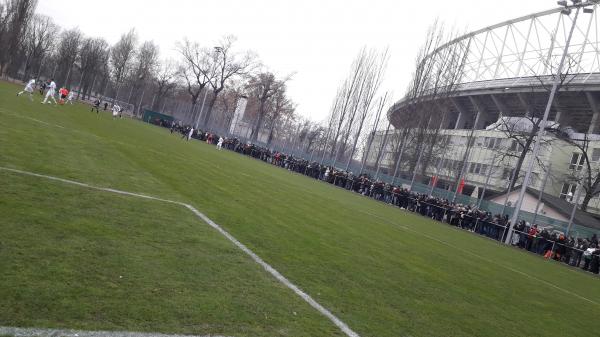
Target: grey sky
(315, 39)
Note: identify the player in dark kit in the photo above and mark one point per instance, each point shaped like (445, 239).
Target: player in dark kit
(43, 88)
(96, 106)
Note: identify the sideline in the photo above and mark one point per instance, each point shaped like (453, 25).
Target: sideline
(408, 229)
(89, 134)
(30, 118)
(403, 227)
(29, 332)
(282, 279)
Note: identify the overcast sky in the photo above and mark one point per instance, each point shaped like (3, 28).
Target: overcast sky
(317, 40)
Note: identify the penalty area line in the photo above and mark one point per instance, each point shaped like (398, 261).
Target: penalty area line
(276, 274)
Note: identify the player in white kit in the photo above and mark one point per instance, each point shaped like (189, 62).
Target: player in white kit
(70, 98)
(51, 92)
(115, 110)
(28, 89)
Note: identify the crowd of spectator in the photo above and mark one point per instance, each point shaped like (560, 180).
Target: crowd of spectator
(552, 244)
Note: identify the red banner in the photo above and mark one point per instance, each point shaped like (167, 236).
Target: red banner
(461, 185)
(434, 181)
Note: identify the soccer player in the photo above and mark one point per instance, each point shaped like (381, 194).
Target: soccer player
(43, 88)
(70, 97)
(189, 136)
(28, 89)
(51, 92)
(115, 110)
(220, 143)
(96, 106)
(62, 94)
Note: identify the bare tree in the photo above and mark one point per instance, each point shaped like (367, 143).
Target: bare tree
(93, 61)
(122, 57)
(39, 40)
(14, 19)
(144, 66)
(263, 86)
(363, 103)
(165, 81)
(438, 71)
(195, 68)
(67, 53)
(343, 99)
(281, 106)
(522, 131)
(584, 168)
(352, 105)
(227, 65)
(228, 102)
(310, 134)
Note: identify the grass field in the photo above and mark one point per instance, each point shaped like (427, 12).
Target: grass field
(72, 257)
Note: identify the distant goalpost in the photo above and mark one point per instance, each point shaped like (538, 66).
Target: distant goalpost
(128, 108)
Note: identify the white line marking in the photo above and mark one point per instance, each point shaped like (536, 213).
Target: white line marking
(299, 292)
(484, 259)
(34, 332)
(343, 326)
(307, 298)
(31, 118)
(89, 134)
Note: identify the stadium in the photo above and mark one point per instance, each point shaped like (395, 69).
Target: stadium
(508, 63)
(116, 224)
(499, 91)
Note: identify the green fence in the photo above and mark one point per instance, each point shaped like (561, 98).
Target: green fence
(150, 116)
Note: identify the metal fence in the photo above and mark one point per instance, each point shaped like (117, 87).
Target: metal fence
(486, 205)
(290, 147)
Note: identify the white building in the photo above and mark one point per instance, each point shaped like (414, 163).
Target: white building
(490, 162)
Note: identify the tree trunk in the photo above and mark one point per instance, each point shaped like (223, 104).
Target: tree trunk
(429, 154)
(211, 104)
(521, 160)
(261, 115)
(413, 161)
(586, 200)
(271, 132)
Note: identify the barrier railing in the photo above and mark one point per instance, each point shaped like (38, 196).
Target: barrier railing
(341, 178)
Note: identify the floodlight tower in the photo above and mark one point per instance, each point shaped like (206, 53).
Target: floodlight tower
(576, 5)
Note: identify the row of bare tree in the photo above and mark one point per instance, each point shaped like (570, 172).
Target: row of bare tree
(210, 78)
(350, 120)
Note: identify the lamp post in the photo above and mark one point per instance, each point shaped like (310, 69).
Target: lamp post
(577, 5)
(487, 181)
(574, 209)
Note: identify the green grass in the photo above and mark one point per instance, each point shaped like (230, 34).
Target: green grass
(84, 259)
(383, 271)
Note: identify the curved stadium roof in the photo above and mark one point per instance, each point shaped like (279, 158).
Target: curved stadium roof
(508, 63)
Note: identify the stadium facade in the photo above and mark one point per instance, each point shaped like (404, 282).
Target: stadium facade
(504, 82)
